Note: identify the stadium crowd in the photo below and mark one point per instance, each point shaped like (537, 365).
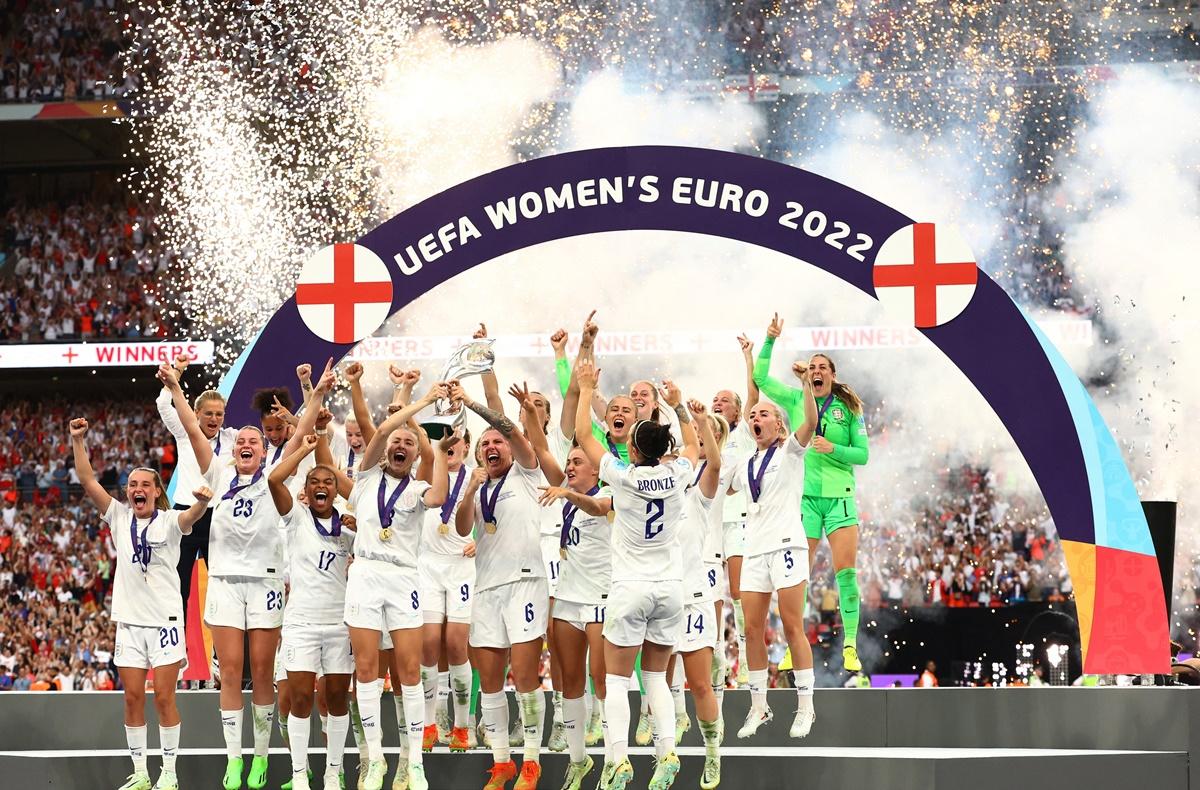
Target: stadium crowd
(61, 51)
(81, 271)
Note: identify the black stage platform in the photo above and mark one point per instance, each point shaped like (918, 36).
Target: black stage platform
(1053, 738)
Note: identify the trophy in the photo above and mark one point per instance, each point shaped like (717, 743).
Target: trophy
(471, 359)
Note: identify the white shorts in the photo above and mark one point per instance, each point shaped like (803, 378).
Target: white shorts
(718, 582)
(644, 611)
(147, 646)
(244, 602)
(552, 559)
(385, 640)
(733, 538)
(510, 614)
(447, 583)
(323, 649)
(580, 615)
(775, 570)
(698, 628)
(382, 596)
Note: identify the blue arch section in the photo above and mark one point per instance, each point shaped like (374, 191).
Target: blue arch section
(1036, 406)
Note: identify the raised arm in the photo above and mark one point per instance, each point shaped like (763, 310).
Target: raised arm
(562, 367)
(674, 399)
(712, 453)
(435, 495)
(189, 517)
(491, 385)
(804, 433)
(522, 450)
(362, 412)
(535, 434)
(83, 467)
(277, 480)
(788, 398)
(325, 457)
(304, 374)
(425, 468)
(464, 517)
(586, 375)
(593, 506)
(378, 445)
(169, 376)
(312, 408)
(751, 387)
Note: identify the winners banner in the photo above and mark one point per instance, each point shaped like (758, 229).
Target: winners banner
(104, 355)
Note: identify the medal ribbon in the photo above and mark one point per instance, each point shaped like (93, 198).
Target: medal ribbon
(141, 549)
(335, 524)
(489, 507)
(699, 474)
(612, 447)
(756, 481)
(387, 510)
(568, 514)
(234, 488)
(821, 414)
(448, 506)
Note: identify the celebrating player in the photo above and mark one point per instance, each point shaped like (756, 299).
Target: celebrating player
(776, 558)
(145, 606)
(511, 609)
(827, 506)
(645, 605)
(383, 592)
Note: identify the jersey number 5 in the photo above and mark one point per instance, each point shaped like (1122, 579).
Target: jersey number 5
(654, 514)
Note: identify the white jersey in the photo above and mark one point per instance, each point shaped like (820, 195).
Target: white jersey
(775, 523)
(739, 446)
(187, 475)
(513, 551)
(146, 590)
(560, 445)
(586, 572)
(447, 542)
(692, 531)
(318, 565)
(245, 538)
(649, 505)
(408, 517)
(713, 549)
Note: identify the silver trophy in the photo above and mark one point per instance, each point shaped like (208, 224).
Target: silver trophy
(471, 359)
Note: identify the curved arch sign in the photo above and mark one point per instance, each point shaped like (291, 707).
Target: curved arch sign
(347, 290)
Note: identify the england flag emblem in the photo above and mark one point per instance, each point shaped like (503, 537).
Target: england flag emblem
(344, 293)
(925, 275)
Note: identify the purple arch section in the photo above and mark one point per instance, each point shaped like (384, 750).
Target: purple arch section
(990, 332)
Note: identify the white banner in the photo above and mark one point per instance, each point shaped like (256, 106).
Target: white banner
(1068, 332)
(103, 355)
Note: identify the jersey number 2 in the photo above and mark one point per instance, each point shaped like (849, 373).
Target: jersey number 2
(654, 514)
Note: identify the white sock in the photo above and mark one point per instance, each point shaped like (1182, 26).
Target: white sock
(360, 741)
(558, 707)
(662, 709)
(460, 683)
(401, 725)
(324, 719)
(532, 705)
(368, 710)
(575, 723)
(494, 709)
(644, 705)
(298, 744)
(263, 714)
(231, 728)
(415, 702)
(608, 752)
(443, 691)
(168, 738)
(758, 689)
(616, 709)
(676, 687)
(805, 681)
(335, 737)
(283, 728)
(429, 681)
(136, 738)
(589, 702)
(739, 621)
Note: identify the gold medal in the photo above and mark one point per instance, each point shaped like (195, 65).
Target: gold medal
(562, 553)
(489, 527)
(385, 534)
(611, 516)
(443, 529)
